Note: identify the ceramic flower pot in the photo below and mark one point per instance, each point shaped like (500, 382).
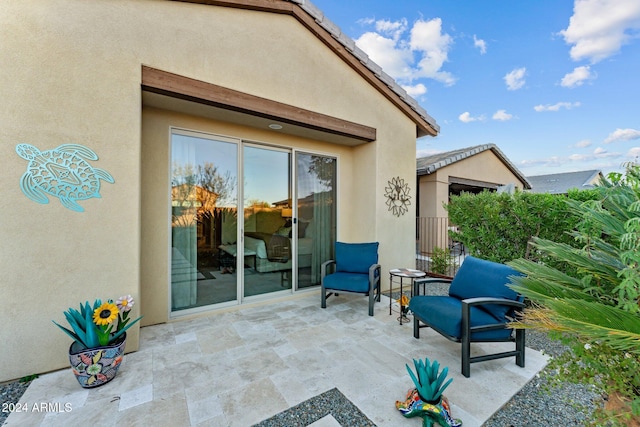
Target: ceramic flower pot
(431, 412)
(94, 367)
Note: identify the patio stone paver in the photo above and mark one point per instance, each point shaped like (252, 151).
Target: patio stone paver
(242, 367)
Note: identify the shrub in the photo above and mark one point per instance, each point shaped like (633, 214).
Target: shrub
(593, 304)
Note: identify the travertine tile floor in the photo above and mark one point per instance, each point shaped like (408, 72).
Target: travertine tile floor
(240, 367)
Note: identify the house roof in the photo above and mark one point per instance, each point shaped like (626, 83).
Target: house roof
(345, 47)
(561, 183)
(430, 164)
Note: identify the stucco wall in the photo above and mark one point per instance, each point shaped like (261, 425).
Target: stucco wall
(75, 69)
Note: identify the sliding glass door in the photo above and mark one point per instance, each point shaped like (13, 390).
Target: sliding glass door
(246, 219)
(316, 215)
(268, 248)
(204, 212)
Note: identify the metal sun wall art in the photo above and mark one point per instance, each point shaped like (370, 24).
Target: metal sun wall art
(397, 194)
(63, 173)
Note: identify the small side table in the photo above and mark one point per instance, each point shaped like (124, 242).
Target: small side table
(402, 273)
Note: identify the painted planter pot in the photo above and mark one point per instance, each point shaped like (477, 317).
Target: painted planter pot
(94, 367)
(430, 412)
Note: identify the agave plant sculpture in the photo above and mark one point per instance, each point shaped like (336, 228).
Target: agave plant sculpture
(101, 324)
(429, 383)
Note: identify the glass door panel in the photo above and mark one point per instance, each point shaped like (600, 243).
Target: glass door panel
(316, 220)
(268, 244)
(204, 208)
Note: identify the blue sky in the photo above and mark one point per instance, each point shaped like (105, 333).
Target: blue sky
(555, 84)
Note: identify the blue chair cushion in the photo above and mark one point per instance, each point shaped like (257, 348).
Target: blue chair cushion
(356, 257)
(349, 282)
(445, 314)
(481, 278)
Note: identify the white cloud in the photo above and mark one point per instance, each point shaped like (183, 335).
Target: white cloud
(409, 53)
(467, 118)
(415, 90)
(515, 79)
(599, 28)
(577, 77)
(622, 135)
(386, 53)
(599, 150)
(583, 144)
(392, 28)
(480, 44)
(576, 161)
(502, 115)
(556, 107)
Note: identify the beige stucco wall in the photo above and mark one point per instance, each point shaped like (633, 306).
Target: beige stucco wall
(484, 167)
(74, 69)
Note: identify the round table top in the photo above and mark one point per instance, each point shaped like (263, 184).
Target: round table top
(407, 272)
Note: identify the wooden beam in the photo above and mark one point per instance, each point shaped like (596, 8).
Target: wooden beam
(174, 85)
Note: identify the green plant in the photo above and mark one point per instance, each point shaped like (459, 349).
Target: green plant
(429, 383)
(500, 227)
(592, 304)
(101, 324)
(441, 261)
(28, 378)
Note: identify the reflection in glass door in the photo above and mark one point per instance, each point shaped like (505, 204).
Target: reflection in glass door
(204, 207)
(316, 220)
(268, 247)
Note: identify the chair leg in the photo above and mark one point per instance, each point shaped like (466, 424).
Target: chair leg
(416, 327)
(323, 297)
(520, 334)
(465, 340)
(372, 300)
(466, 357)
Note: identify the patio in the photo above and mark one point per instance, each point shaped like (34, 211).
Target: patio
(243, 367)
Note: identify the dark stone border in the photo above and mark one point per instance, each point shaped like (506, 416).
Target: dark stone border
(330, 402)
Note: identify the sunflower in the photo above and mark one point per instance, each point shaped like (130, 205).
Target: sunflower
(105, 314)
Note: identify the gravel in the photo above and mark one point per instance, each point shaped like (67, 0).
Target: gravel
(10, 393)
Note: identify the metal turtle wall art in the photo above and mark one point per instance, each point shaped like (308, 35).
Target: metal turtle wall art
(63, 172)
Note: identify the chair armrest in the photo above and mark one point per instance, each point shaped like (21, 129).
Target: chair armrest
(373, 277)
(486, 300)
(426, 280)
(466, 313)
(325, 265)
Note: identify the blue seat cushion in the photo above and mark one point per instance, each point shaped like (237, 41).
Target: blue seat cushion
(445, 314)
(349, 282)
(480, 278)
(356, 257)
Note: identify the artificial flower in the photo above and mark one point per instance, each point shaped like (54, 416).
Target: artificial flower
(403, 301)
(125, 303)
(105, 314)
(96, 325)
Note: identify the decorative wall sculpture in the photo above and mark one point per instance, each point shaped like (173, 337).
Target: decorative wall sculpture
(397, 194)
(63, 173)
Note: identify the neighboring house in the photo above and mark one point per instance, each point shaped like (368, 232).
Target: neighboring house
(247, 102)
(472, 169)
(561, 183)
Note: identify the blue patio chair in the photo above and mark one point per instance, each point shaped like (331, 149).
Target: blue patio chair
(355, 269)
(478, 309)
